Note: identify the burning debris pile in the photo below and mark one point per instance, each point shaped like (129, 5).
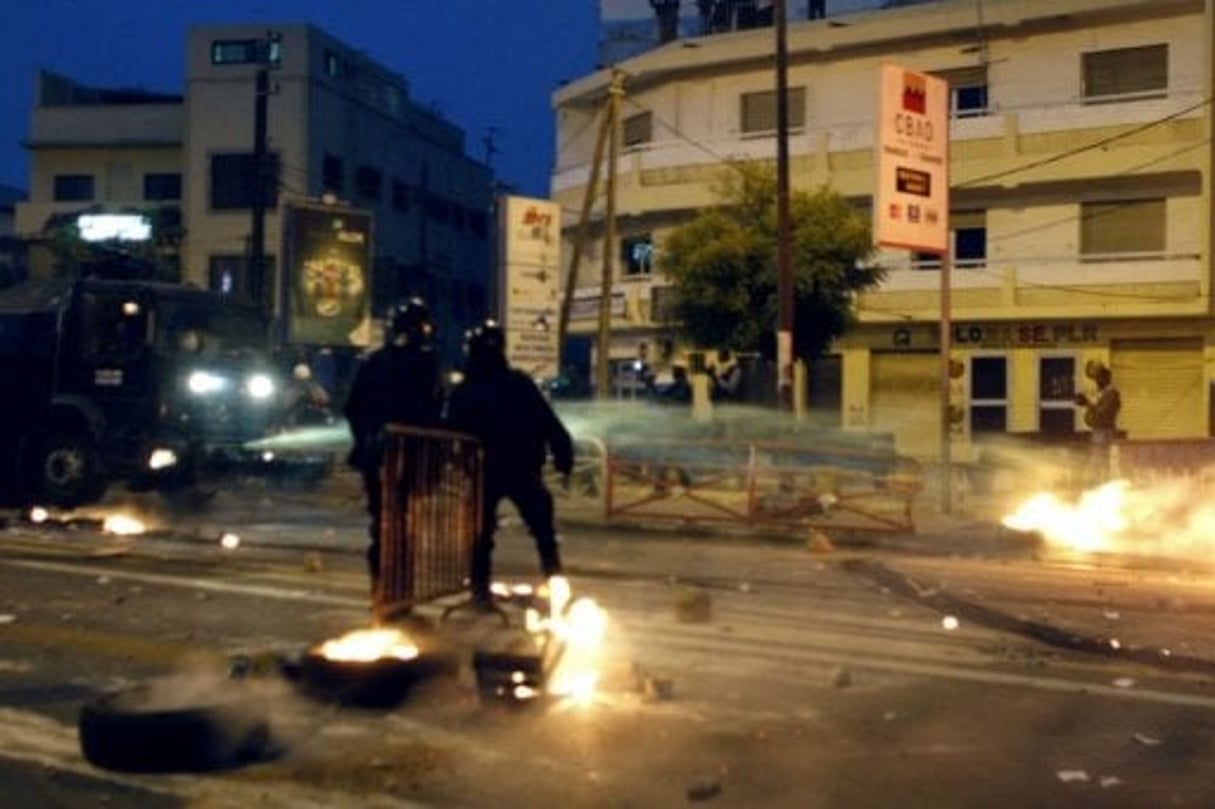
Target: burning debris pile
(1173, 518)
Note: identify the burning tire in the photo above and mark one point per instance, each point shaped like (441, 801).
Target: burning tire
(380, 683)
(158, 727)
(65, 469)
(380, 675)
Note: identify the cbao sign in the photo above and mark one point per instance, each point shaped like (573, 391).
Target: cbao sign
(528, 283)
(911, 207)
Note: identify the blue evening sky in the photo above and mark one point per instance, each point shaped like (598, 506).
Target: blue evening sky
(480, 63)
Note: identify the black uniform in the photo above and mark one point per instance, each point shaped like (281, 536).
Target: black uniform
(505, 410)
(397, 384)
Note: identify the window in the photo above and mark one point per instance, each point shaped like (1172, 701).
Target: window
(968, 243)
(246, 51)
(333, 174)
(73, 187)
(333, 64)
(400, 195)
(1056, 395)
(637, 129)
(1110, 231)
(967, 91)
(368, 182)
(234, 181)
(759, 111)
(229, 275)
(637, 254)
(165, 186)
(988, 395)
(1125, 74)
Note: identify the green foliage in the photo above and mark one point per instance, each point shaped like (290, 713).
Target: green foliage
(722, 264)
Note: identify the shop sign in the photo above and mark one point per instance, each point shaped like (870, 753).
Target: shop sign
(1001, 335)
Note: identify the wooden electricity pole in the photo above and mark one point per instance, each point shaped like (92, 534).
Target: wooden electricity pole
(603, 344)
(588, 202)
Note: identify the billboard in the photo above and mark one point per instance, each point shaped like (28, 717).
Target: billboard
(528, 282)
(327, 287)
(911, 206)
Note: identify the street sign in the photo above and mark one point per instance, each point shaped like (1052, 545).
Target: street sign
(911, 206)
(528, 283)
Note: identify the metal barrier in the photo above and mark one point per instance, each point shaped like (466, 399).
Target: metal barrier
(1164, 459)
(431, 514)
(762, 484)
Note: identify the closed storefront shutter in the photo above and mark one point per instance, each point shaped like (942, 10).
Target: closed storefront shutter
(906, 401)
(1161, 386)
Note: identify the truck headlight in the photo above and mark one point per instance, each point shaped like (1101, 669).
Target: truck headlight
(202, 383)
(162, 458)
(260, 386)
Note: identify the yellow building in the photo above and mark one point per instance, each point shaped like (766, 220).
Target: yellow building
(1080, 168)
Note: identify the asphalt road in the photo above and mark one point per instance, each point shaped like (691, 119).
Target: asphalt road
(888, 675)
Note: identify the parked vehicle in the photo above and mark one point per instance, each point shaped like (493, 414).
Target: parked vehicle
(156, 385)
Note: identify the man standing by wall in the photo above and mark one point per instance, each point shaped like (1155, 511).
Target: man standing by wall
(1101, 416)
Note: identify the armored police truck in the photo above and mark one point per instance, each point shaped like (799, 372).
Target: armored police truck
(155, 385)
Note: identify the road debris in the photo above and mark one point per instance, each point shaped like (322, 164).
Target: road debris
(705, 789)
(1072, 776)
(693, 605)
(1146, 740)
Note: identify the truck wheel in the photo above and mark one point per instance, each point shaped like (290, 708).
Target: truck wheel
(67, 469)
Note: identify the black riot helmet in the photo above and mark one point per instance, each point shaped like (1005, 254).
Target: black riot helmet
(411, 324)
(485, 344)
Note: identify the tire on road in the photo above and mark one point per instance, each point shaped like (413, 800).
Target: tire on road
(145, 729)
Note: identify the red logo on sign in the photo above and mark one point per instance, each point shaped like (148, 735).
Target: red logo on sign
(915, 93)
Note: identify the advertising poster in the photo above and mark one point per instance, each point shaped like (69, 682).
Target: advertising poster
(911, 206)
(529, 283)
(328, 250)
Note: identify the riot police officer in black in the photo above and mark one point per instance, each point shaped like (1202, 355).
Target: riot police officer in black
(398, 383)
(504, 409)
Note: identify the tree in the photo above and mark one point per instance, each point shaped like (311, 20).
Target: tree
(722, 265)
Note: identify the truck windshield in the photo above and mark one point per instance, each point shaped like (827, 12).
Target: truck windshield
(197, 326)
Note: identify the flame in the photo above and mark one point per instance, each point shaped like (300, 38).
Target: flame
(122, 525)
(1172, 518)
(368, 645)
(581, 627)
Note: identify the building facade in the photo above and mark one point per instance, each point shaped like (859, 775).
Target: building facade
(1080, 170)
(336, 128)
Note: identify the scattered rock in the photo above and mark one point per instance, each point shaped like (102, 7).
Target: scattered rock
(705, 789)
(693, 605)
(841, 677)
(1072, 776)
(820, 543)
(1147, 741)
(314, 562)
(658, 689)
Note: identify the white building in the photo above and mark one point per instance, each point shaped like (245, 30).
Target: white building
(1080, 162)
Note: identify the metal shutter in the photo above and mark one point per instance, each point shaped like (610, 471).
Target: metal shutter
(906, 393)
(1161, 384)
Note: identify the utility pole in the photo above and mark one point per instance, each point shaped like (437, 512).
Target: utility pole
(261, 177)
(784, 269)
(603, 347)
(588, 202)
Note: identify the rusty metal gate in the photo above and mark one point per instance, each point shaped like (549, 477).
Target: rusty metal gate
(431, 515)
(762, 483)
